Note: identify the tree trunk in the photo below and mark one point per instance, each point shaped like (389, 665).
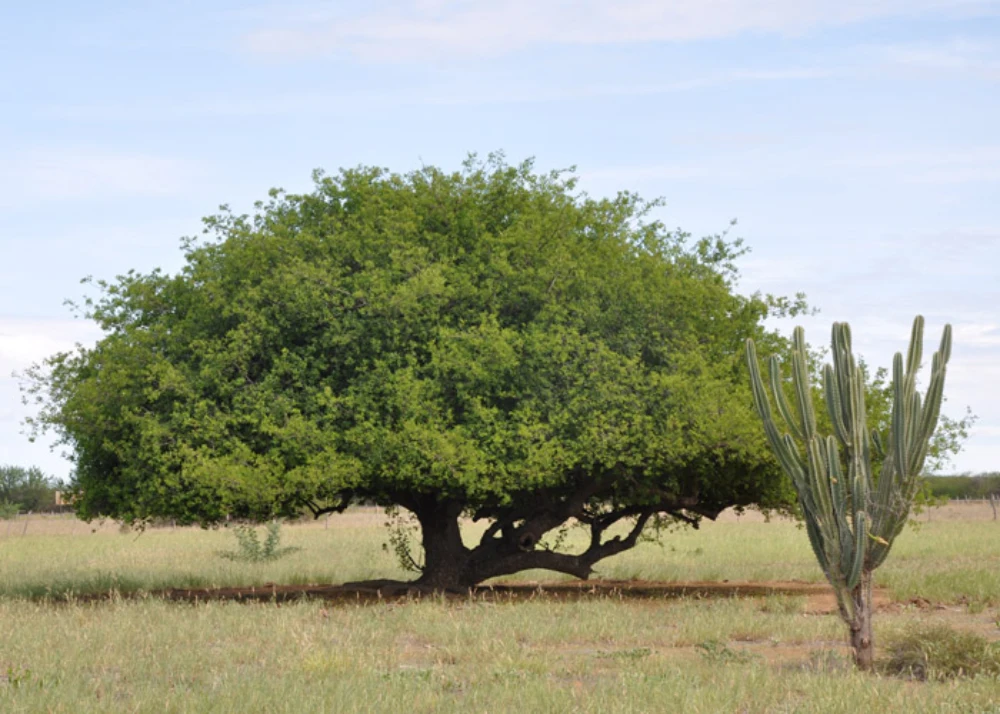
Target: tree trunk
(993, 505)
(450, 565)
(445, 556)
(862, 641)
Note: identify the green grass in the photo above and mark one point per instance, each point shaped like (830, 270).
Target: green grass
(769, 654)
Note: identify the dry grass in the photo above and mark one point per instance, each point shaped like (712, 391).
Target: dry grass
(599, 654)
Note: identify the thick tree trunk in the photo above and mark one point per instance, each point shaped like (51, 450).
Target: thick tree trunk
(450, 565)
(445, 556)
(862, 641)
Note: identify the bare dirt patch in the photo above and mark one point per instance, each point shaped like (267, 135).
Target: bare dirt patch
(819, 598)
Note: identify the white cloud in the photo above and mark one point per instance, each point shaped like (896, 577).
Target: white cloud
(462, 27)
(82, 173)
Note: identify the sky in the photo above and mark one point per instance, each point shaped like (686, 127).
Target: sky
(855, 141)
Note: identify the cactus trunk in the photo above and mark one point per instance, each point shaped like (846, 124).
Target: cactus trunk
(862, 641)
(853, 510)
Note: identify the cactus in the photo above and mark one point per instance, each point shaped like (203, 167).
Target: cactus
(852, 514)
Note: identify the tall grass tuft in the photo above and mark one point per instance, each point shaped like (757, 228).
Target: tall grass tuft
(938, 652)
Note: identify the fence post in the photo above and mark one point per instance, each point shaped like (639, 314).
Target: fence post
(27, 518)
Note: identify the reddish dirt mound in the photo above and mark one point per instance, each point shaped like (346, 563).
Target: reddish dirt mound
(820, 598)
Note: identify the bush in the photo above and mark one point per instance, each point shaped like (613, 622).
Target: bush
(938, 652)
(251, 550)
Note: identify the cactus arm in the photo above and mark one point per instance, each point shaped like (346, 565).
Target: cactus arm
(800, 377)
(853, 576)
(835, 406)
(877, 444)
(781, 400)
(914, 352)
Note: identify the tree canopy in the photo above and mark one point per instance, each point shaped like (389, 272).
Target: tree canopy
(488, 343)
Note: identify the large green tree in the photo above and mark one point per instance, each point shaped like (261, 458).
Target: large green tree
(489, 343)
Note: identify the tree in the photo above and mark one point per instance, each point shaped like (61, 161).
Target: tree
(487, 343)
(853, 515)
(30, 488)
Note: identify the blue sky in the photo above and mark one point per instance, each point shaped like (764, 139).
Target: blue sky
(856, 142)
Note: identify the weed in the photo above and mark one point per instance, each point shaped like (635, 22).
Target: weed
(250, 549)
(719, 652)
(18, 677)
(402, 532)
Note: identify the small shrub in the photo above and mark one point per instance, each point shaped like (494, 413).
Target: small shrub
(250, 549)
(9, 510)
(938, 652)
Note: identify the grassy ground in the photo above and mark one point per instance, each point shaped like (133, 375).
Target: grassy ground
(593, 655)
(954, 557)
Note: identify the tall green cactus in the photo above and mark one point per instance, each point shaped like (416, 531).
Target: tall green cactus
(852, 517)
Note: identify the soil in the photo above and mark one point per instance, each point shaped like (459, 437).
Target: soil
(819, 597)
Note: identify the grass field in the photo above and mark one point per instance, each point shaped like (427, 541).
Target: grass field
(60, 653)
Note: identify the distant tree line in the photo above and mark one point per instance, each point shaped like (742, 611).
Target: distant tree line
(26, 489)
(981, 485)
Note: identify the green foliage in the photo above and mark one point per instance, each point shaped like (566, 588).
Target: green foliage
(401, 534)
(30, 488)
(923, 499)
(8, 510)
(935, 652)
(250, 549)
(488, 342)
